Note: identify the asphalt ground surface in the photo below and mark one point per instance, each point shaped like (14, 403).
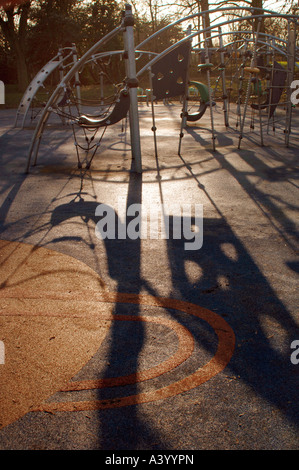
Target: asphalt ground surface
(142, 344)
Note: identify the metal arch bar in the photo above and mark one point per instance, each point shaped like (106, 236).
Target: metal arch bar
(37, 82)
(269, 13)
(76, 67)
(100, 55)
(175, 45)
(270, 36)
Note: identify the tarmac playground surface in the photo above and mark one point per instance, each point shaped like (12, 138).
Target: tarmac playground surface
(140, 344)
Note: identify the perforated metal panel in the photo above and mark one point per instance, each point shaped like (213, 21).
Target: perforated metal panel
(170, 73)
(33, 88)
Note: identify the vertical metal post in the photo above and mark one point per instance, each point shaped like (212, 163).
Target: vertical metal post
(223, 78)
(132, 83)
(186, 95)
(240, 84)
(290, 78)
(102, 87)
(253, 62)
(77, 78)
(153, 111)
(207, 60)
(270, 80)
(61, 75)
(259, 94)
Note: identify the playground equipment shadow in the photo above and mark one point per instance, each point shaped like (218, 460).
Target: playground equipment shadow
(235, 298)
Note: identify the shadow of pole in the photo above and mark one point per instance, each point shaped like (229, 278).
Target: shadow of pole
(125, 428)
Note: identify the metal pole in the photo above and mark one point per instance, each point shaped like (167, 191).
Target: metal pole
(240, 85)
(270, 80)
(77, 78)
(253, 62)
(61, 75)
(186, 96)
(153, 111)
(57, 92)
(127, 75)
(102, 87)
(224, 92)
(132, 83)
(207, 60)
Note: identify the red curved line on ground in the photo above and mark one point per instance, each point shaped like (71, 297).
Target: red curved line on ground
(185, 349)
(225, 349)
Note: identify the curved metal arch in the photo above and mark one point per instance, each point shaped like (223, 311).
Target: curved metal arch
(194, 34)
(101, 55)
(269, 13)
(56, 62)
(40, 127)
(280, 74)
(62, 85)
(192, 117)
(264, 35)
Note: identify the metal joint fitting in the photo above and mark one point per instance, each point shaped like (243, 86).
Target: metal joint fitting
(128, 16)
(132, 82)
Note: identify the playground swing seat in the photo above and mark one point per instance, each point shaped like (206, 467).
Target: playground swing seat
(204, 101)
(92, 123)
(118, 113)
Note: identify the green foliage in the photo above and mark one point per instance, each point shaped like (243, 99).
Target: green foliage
(54, 24)
(50, 25)
(102, 17)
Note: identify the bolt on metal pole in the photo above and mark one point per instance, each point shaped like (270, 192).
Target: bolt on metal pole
(132, 83)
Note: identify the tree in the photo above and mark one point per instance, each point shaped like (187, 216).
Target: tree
(184, 7)
(14, 25)
(34, 30)
(102, 17)
(54, 24)
(153, 17)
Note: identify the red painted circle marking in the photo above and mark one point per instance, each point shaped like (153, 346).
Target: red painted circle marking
(224, 352)
(184, 351)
